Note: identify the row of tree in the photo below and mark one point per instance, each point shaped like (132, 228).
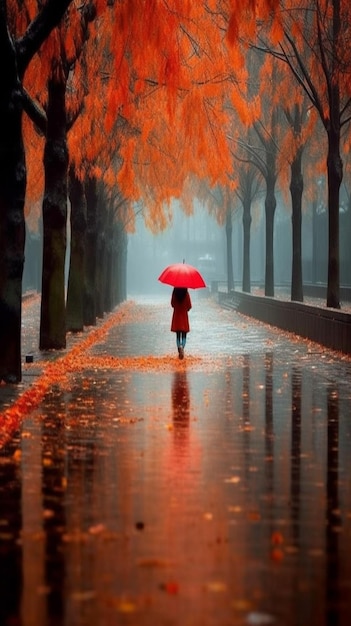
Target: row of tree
(296, 130)
(113, 102)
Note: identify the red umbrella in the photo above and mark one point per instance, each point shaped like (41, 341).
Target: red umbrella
(182, 275)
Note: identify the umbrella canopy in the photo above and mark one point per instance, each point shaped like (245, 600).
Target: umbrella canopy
(182, 275)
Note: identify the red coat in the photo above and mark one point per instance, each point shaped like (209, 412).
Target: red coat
(180, 319)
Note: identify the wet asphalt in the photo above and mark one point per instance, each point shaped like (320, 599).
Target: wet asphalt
(137, 489)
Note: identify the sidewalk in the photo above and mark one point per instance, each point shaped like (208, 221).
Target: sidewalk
(140, 490)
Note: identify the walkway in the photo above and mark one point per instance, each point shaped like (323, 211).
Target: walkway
(140, 490)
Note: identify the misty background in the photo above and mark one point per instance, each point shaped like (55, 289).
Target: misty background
(198, 239)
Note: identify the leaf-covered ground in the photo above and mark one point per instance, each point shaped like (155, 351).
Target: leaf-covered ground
(137, 488)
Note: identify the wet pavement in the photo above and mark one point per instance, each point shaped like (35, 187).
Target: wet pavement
(140, 490)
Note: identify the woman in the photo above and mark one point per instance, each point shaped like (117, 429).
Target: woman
(181, 304)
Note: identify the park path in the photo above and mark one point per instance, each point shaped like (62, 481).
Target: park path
(138, 489)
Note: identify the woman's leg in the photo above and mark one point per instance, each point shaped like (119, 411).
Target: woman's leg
(183, 339)
(179, 344)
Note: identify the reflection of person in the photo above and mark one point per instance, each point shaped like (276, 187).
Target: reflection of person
(180, 399)
(180, 458)
(181, 304)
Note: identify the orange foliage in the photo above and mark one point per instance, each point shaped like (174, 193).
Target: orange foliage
(165, 69)
(171, 82)
(171, 69)
(244, 15)
(34, 145)
(63, 46)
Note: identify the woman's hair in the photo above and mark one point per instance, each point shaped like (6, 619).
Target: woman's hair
(180, 293)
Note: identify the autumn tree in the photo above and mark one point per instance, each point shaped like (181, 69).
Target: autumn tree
(298, 124)
(68, 95)
(249, 187)
(247, 176)
(219, 201)
(181, 115)
(18, 45)
(300, 132)
(92, 156)
(294, 115)
(268, 166)
(71, 104)
(64, 60)
(283, 143)
(78, 225)
(229, 204)
(315, 46)
(262, 152)
(111, 249)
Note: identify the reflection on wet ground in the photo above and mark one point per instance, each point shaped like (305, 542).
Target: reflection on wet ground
(190, 496)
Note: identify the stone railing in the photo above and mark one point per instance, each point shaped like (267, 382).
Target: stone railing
(328, 327)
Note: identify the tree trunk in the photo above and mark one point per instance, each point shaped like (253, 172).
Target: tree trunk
(53, 314)
(296, 190)
(334, 166)
(246, 253)
(229, 231)
(314, 242)
(119, 273)
(335, 174)
(75, 291)
(123, 258)
(90, 254)
(103, 234)
(12, 225)
(14, 61)
(110, 242)
(270, 206)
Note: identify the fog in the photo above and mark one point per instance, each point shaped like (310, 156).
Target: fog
(199, 240)
(187, 238)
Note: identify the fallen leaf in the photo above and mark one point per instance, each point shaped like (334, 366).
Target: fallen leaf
(96, 529)
(277, 555)
(170, 587)
(233, 480)
(83, 596)
(126, 606)
(277, 538)
(17, 456)
(216, 586)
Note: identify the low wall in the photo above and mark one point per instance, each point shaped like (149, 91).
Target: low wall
(329, 327)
